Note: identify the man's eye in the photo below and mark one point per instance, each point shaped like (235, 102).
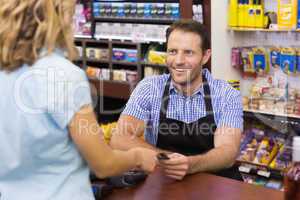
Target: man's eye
(189, 53)
(171, 52)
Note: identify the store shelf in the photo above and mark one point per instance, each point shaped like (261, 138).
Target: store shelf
(243, 29)
(259, 169)
(110, 88)
(154, 65)
(124, 63)
(82, 36)
(134, 20)
(97, 61)
(129, 38)
(274, 116)
(91, 40)
(106, 41)
(122, 42)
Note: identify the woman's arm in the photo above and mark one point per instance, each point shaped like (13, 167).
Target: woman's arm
(104, 161)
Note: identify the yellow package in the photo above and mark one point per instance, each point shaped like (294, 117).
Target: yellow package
(242, 13)
(233, 13)
(268, 157)
(157, 57)
(251, 16)
(273, 164)
(260, 18)
(262, 151)
(287, 14)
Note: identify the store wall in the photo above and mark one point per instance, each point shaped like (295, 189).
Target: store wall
(222, 41)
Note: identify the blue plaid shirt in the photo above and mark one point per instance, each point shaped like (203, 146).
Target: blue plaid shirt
(145, 104)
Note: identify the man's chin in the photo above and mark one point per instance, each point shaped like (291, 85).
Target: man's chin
(181, 81)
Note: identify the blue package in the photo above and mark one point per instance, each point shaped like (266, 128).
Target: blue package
(275, 57)
(133, 9)
(298, 60)
(298, 63)
(273, 184)
(127, 55)
(102, 8)
(121, 10)
(154, 10)
(114, 9)
(147, 10)
(168, 10)
(108, 9)
(288, 60)
(127, 8)
(118, 54)
(175, 11)
(140, 9)
(96, 9)
(160, 9)
(131, 55)
(259, 62)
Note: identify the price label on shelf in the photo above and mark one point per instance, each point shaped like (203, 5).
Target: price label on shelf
(263, 173)
(244, 169)
(139, 36)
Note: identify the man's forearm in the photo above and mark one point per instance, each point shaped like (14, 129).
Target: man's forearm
(213, 160)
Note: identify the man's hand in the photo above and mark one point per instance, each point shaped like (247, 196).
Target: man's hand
(176, 167)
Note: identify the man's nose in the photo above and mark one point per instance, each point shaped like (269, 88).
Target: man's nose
(179, 59)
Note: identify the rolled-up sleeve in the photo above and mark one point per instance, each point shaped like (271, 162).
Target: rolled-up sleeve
(232, 110)
(138, 104)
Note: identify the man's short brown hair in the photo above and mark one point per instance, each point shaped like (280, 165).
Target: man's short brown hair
(191, 26)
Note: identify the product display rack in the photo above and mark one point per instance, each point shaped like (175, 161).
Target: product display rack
(94, 40)
(287, 124)
(133, 20)
(259, 170)
(283, 118)
(261, 29)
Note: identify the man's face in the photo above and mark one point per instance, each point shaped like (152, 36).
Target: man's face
(185, 57)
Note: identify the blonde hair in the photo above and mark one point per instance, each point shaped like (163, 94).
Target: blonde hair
(28, 26)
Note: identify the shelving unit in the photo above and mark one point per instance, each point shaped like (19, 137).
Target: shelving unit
(97, 60)
(110, 42)
(259, 170)
(286, 125)
(108, 88)
(283, 118)
(242, 29)
(133, 20)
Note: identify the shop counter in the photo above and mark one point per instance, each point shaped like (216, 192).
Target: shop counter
(201, 186)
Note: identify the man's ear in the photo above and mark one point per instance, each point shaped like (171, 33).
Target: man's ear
(206, 56)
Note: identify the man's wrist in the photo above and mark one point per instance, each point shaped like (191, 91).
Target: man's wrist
(194, 164)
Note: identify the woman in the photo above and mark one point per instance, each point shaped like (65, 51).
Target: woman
(47, 125)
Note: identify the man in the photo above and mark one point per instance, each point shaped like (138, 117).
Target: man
(188, 114)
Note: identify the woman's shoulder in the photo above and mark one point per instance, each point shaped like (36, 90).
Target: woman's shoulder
(56, 64)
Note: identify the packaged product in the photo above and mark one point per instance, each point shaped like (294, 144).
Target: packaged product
(260, 58)
(288, 60)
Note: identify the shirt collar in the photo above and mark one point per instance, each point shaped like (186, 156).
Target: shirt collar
(44, 52)
(199, 91)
